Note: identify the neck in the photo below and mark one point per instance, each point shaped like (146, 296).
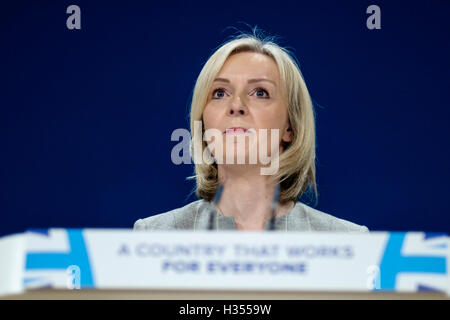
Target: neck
(248, 196)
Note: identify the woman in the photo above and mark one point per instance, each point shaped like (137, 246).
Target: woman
(249, 85)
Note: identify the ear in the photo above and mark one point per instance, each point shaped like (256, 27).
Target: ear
(287, 135)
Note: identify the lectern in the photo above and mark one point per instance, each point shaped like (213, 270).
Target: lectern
(126, 264)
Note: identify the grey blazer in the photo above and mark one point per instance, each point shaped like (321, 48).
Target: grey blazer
(195, 216)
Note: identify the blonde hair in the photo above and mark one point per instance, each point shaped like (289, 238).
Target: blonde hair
(296, 173)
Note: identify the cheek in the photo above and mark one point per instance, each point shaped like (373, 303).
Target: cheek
(210, 117)
(271, 120)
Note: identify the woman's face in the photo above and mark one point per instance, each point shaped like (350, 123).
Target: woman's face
(247, 94)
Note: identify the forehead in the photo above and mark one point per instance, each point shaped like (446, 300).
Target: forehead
(250, 65)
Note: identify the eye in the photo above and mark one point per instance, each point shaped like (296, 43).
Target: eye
(261, 90)
(221, 93)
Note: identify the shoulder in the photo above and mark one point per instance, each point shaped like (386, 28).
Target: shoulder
(180, 218)
(321, 221)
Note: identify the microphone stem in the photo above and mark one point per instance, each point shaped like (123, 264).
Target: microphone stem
(216, 203)
(275, 200)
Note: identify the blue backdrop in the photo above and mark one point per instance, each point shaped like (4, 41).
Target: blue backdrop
(86, 115)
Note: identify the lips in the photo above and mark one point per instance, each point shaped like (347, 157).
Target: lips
(235, 130)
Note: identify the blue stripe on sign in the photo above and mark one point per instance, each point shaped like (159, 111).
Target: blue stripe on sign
(44, 232)
(432, 235)
(438, 246)
(421, 287)
(393, 262)
(77, 256)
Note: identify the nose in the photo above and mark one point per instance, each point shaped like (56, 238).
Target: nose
(237, 108)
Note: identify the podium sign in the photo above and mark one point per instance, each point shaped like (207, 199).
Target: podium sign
(269, 261)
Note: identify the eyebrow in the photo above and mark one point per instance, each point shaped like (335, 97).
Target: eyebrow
(249, 81)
